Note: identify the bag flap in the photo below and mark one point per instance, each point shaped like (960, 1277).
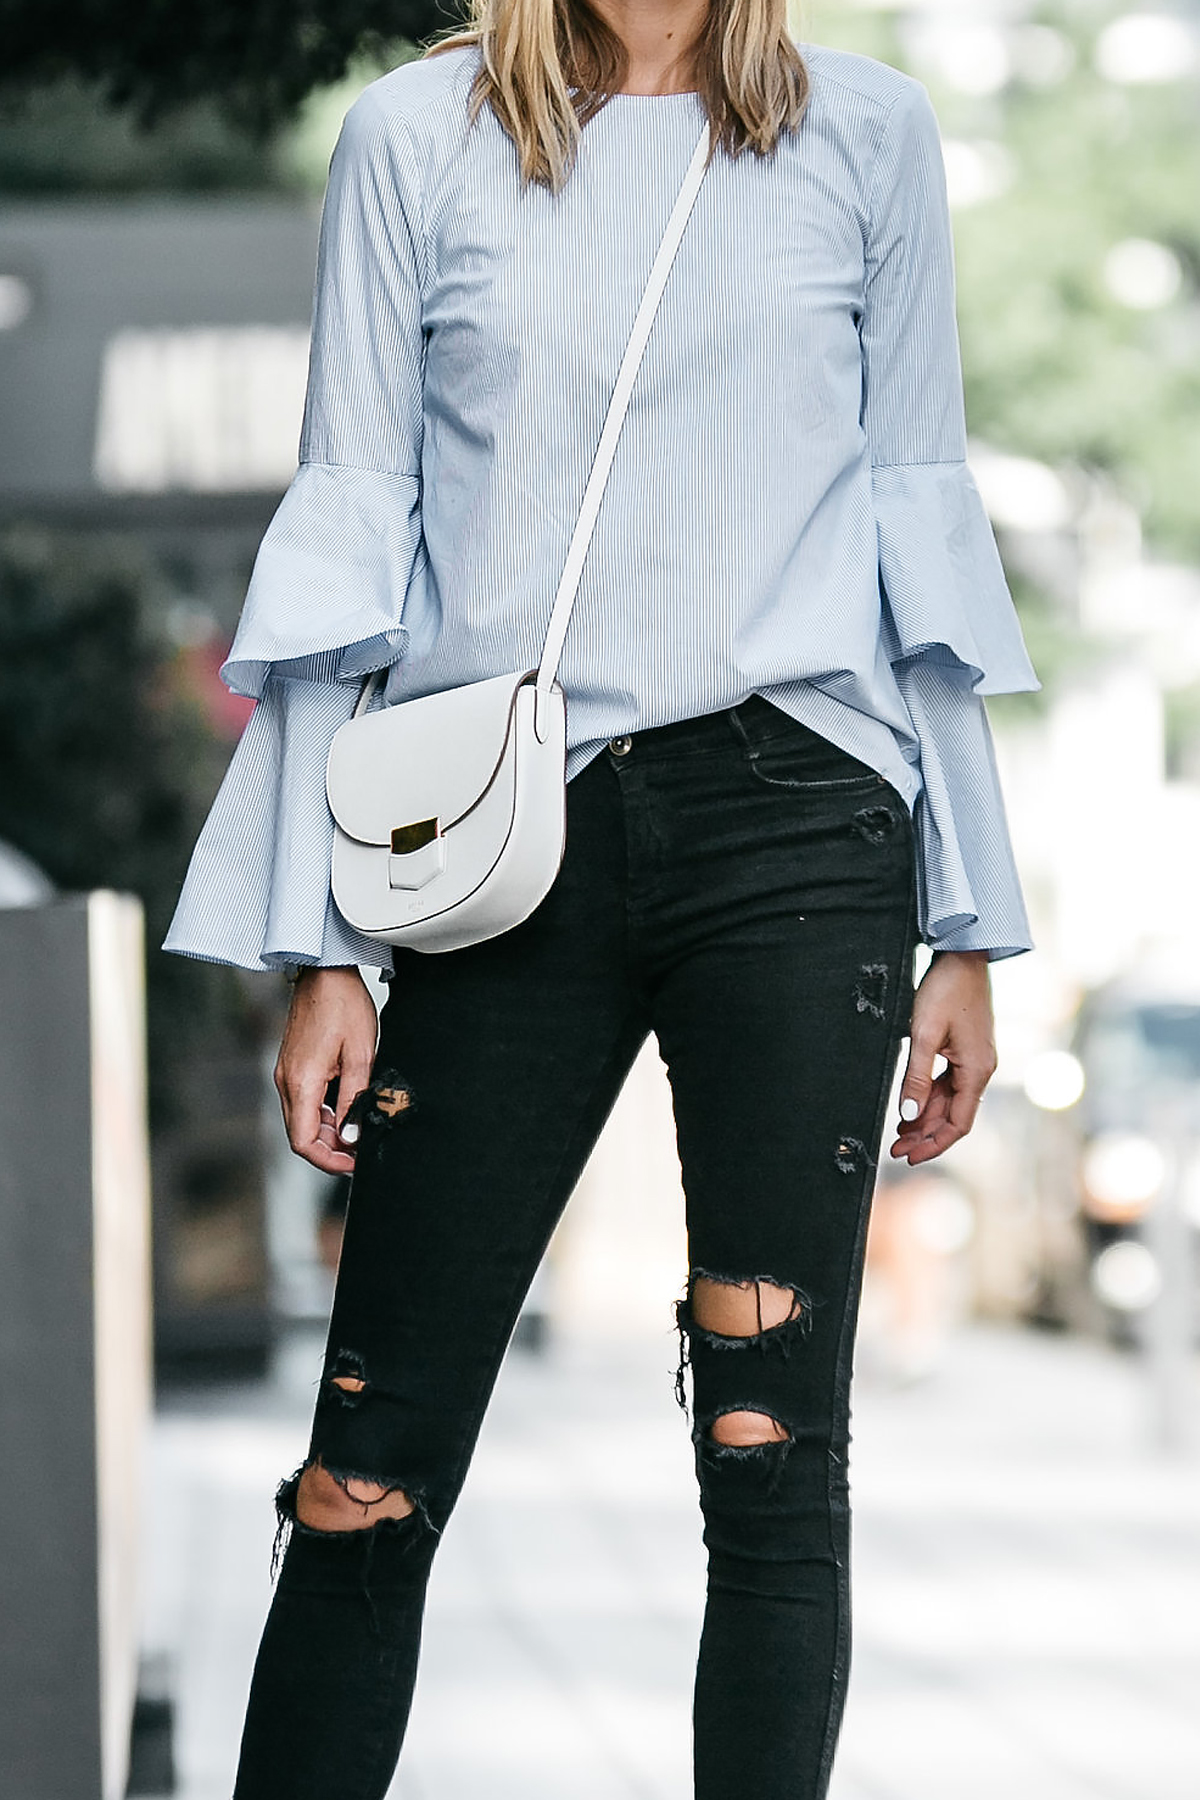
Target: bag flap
(423, 759)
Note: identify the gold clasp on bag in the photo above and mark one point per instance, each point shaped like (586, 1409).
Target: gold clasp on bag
(418, 855)
(407, 838)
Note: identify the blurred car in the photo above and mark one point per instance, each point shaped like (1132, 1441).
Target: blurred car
(1119, 1141)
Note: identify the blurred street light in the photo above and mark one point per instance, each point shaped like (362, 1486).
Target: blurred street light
(969, 55)
(976, 170)
(1142, 274)
(1019, 492)
(1147, 47)
(1122, 1174)
(1041, 56)
(1126, 1276)
(1054, 1080)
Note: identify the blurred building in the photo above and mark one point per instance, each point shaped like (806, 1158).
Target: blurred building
(152, 365)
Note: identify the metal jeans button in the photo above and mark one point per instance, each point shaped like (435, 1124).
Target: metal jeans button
(621, 746)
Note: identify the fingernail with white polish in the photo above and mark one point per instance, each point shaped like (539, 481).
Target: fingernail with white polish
(909, 1109)
(349, 1132)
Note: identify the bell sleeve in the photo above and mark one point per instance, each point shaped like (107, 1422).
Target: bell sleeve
(326, 599)
(257, 889)
(969, 890)
(333, 569)
(949, 625)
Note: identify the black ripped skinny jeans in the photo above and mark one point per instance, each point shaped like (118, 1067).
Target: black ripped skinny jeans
(743, 889)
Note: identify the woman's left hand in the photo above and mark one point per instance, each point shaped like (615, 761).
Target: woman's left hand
(952, 1017)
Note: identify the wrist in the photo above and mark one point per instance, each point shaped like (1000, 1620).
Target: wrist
(306, 974)
(967, 970)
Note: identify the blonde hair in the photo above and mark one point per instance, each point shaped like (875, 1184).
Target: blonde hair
(550, 65)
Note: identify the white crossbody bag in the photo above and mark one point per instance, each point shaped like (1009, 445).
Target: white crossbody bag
(450, 811)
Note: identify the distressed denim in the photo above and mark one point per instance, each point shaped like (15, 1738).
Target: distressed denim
(743, 889)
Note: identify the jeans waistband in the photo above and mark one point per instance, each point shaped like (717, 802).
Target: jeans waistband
(755, 721)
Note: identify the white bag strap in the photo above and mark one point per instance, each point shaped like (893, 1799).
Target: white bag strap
(614, 418)
(593, 493)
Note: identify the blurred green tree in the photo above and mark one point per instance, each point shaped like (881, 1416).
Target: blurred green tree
(1066, 361)
(61, 139)
(1078, 250)
(255, 59)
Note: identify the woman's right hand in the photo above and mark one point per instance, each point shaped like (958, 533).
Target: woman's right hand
(330, 1035)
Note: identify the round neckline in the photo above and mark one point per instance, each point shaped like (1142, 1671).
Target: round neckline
(677, 94)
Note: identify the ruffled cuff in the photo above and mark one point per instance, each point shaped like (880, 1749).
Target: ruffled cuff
(942, 577)
(332, 573)
(970, 892)
(257, 889)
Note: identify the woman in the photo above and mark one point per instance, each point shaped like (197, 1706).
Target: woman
(780, 769)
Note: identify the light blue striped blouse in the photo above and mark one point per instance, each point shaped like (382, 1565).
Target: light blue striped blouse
(789, 512)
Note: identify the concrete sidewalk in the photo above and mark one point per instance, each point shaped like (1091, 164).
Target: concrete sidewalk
(1027, 1582)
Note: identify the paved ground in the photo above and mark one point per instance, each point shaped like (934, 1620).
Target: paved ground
(1027, 1583)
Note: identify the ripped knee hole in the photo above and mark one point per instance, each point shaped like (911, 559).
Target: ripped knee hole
(327, 1502)
(742, 1308)
(742, 1429)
